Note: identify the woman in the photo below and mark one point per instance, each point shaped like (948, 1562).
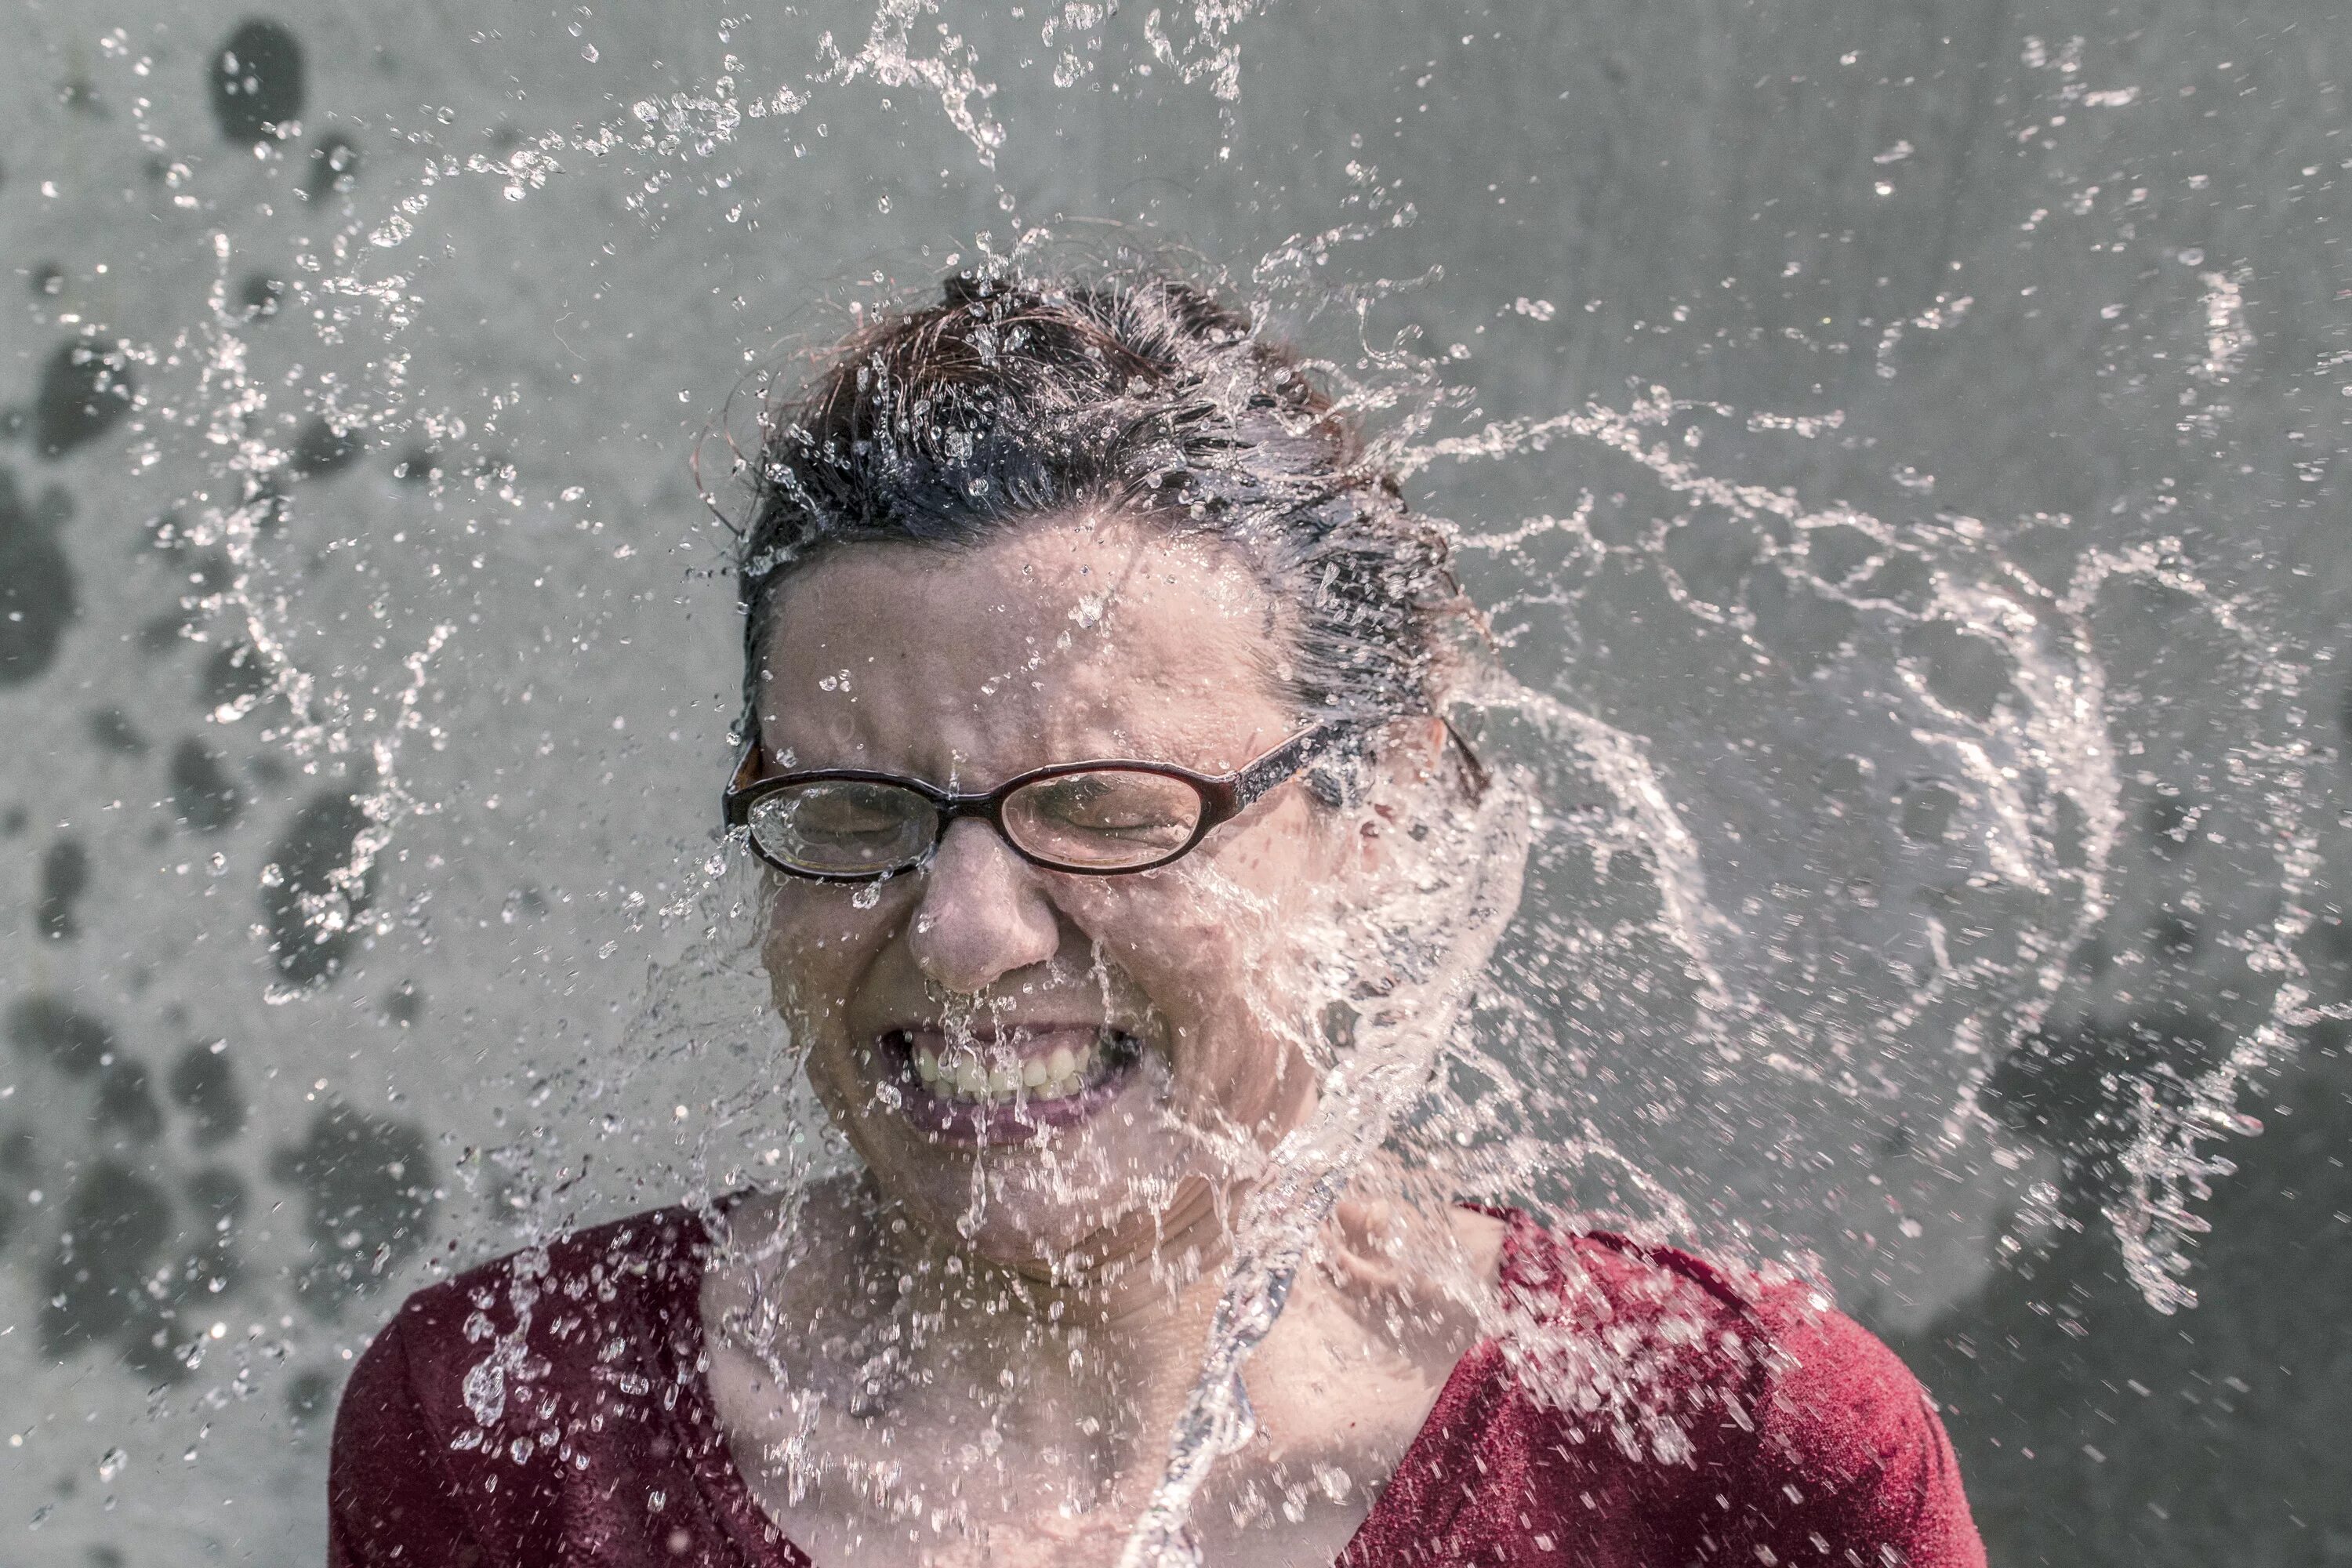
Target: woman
(1118, 853)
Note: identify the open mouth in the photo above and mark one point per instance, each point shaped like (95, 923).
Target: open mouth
(1003, 1085)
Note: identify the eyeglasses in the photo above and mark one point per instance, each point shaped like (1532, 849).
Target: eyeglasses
(1095, 818)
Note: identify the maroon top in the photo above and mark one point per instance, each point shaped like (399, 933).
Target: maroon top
(551, 1408)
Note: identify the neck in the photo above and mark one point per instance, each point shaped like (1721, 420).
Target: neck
(1135, 1306)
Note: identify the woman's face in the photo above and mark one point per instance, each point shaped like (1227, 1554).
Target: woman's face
(1059, 1069)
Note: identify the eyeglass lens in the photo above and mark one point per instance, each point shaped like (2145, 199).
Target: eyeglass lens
(1103, 819)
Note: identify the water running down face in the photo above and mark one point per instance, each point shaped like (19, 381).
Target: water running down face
(1061, 1069)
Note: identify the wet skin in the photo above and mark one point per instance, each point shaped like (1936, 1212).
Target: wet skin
(1033, 1254)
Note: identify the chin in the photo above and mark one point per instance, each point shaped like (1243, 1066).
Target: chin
(1043, 1225)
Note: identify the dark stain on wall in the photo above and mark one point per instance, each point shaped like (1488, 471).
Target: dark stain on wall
(47, 1029)
(370, 1185)
(36, 581)
(204, 797)
(260, 295)
(65, 877)
(310, 1399)
(322, 450)
(235, 678)
(2075, 1091)
(403, 1004)
(117, 1223)
(203, 1084)
(126, 1102)
(167, 1330)
(257, 82)
(307, 898)
(85, 388)
(114, 732)
(334, 166)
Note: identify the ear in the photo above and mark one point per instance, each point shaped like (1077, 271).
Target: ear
(1409, 752)
(1412, 748)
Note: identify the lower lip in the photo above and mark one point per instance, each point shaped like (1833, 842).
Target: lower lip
(1016, 1120)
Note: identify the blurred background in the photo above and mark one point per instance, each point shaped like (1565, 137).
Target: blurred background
(367, 654)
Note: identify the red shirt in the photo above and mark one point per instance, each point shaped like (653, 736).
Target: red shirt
(550, 1408)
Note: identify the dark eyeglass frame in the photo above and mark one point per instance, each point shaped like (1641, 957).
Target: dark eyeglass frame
(1223, 796)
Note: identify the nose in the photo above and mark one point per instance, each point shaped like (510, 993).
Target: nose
(983, 913)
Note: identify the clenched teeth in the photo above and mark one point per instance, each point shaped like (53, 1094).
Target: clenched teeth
(963, 1075)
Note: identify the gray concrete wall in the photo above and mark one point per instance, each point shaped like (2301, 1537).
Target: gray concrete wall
(226, 1146)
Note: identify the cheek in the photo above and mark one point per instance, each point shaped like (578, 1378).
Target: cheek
(1203, 948)
(818, 946)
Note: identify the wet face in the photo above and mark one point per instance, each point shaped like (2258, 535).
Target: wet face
(1064, 1071)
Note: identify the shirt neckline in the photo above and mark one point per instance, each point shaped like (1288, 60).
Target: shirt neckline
(695, 1416)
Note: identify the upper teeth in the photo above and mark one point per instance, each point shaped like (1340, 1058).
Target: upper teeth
(964, 1076)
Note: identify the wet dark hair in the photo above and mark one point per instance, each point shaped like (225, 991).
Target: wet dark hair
(952, 423)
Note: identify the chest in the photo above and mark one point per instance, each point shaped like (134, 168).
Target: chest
(1025, 1470)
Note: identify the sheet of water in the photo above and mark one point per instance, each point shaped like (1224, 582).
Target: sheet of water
(1903, 559)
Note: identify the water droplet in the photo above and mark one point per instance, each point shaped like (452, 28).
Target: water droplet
(484, 1391)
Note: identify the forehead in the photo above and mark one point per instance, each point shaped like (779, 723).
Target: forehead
(1072, 636)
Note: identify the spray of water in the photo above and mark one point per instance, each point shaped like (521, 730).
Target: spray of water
(1770, 949)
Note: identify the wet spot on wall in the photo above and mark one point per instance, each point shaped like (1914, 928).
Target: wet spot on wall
(86, 387)
(369, 1183)
(2170, 822)
(158, 634)
(310, 1399)
(114, 731)
(322, 450)
(126, 1102)
(1799, 625)
(2074, 1090)
(1844, 783)
(2174, 934)
(204, 797)
(19, 1159)
(257, 82)
(334, 166)
(234, 679)
(310, 897)
(36, 581)
(1965, 671)
(404, 1004)
(165, 1336)
(47, 1029)
(65, 877)
(81, 95)
(260, 295)
(117, 1223)
(203, 1084)
(1926, 806)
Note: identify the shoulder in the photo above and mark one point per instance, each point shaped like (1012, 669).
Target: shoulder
(1800, 1421)
(1805, 1375)
(648, 1250)
(494, 1416)
(454, 1350)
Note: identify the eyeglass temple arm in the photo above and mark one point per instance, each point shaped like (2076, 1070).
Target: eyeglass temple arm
(747, 770)
(1280, 764)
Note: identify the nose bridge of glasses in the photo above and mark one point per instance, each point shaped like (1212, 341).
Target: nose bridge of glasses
(970, 845)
